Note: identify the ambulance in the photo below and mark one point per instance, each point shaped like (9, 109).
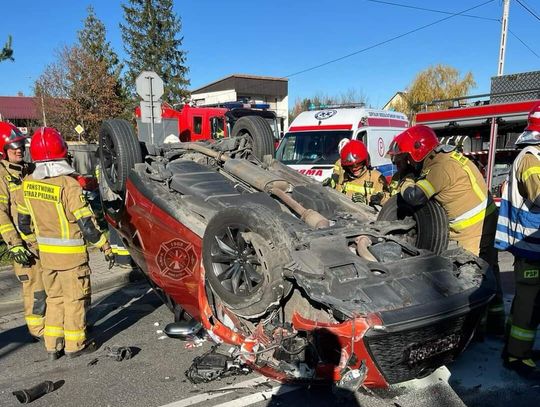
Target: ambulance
(311, 144)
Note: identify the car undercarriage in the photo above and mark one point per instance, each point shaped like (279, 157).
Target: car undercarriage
(305, 284)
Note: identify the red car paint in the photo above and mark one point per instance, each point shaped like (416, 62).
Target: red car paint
(145, 220)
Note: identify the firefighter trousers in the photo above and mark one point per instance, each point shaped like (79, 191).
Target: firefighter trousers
(525, 314)
(68, 298)
(34, 296)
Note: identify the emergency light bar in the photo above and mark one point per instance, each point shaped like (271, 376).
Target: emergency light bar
(335, 106)
(236, 105)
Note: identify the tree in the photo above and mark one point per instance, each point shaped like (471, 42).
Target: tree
(77, 89)
(322, 100)
(7, 51)
(436, 82)
(92, 39)
(151, 40)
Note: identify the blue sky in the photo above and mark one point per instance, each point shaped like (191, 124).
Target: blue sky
(278, 38)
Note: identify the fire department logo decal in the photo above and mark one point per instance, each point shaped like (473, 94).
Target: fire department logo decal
(176, 259)
(325, 114)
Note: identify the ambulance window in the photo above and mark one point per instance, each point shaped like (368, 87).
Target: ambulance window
(313, 147)
(288, 153)
(197, 124)
(362, 136)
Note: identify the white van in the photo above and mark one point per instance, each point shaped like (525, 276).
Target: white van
(311, 144)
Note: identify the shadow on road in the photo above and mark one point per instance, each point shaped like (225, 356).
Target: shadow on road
(107, 317)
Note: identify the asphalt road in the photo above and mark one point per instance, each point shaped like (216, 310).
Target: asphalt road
(155, 375)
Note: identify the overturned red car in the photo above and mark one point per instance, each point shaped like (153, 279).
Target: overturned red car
(306, 284)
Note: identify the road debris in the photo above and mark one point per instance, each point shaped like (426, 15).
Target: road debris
(33, 393)
(214, 365)
(119, 353)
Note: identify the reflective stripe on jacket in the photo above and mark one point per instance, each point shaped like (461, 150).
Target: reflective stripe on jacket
(518, 226)
(55, 205)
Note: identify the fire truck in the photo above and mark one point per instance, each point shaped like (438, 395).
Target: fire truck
(194, 123)
(468, 126)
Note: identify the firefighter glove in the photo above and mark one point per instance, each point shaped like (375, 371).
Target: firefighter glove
(109, 255)
(359, 198)
(331, 181)
(20, 255)
(376, 199)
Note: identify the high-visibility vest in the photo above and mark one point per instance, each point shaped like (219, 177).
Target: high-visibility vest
(518, 225)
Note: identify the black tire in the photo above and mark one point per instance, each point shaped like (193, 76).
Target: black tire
(259, 132)
(119, 151)
(246, 271)
(431, 222)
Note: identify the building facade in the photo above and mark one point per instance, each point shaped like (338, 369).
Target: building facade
(248, 89)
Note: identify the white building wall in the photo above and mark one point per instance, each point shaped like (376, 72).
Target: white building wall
(211, 98)
(279, 106)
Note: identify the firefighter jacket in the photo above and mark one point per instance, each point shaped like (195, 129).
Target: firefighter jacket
(397, 181)
(370, 182)
(61, 216)
(458, 186)
(518, 225)
(11, 176)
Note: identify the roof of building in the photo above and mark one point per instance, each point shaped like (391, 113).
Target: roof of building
(244, 83)
(398, 95)
(18, 107)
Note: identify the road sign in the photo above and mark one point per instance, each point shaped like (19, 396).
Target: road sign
(150, 111)
(149, 86)
(79, 129)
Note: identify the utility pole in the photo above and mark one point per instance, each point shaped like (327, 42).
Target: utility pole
(500, 70)
(43, 111)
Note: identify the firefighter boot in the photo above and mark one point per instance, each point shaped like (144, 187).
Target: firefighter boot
(524, 367)
(58, 352)
(89, 348)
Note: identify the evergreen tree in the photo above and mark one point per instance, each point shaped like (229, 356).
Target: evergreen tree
(7, 52)
(92, 39)
(152, 42)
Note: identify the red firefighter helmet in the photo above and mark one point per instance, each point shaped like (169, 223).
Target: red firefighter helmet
(10, 137)
(47, 144)
(353, 153)
(531, 135)
(418, 141)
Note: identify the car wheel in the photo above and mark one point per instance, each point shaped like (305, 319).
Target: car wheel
(431, 222)
(259, 133)
(119, 151)
(244, 254)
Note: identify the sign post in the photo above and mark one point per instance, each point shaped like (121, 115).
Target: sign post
(80, 130)
(150, 88)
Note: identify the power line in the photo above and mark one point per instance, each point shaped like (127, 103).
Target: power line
(432, 10)
(387, 41)
(464, 15)
(523, 42)
(529, 10)
(528, 5)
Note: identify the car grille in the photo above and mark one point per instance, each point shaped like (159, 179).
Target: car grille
(417, 352)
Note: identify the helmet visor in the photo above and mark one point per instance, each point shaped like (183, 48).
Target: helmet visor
(529, 137)
(393, 150)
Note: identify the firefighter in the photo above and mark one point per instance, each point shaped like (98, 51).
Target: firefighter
(518, 231)
(26, 265)
(122, 258)
(354, 176)
(403, 172)
(52, 199)
(451, 179)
